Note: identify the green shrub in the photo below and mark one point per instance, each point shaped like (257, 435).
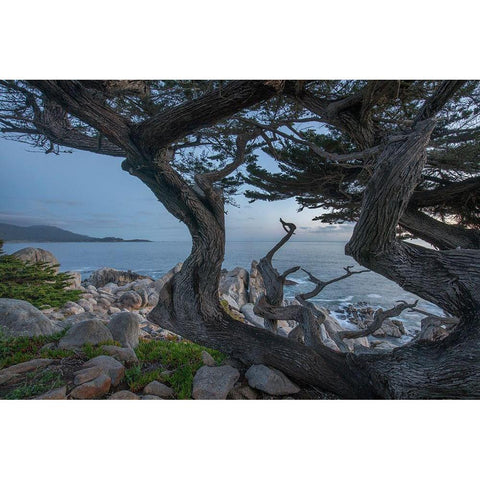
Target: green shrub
(37, 283)
(182, 359)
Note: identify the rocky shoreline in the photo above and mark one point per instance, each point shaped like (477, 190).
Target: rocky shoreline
(111, 315)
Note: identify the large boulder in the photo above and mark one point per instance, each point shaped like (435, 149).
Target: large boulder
(214, 383)
(234, 284)
(19, 318)
(125, 328)
(270, 380)
(89, 331)
(37, 255)
(103, 276)
(96, 388)
(256, 286)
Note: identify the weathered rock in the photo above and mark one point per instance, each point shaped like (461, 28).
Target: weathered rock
(207, 359)
(109, 366)
(113, 310)
(270, 380)
(86, 375)
(124, 395)
(151, 397)
(250, 316)
(78, 318)
(125, 355)
(234, 284)
(159, 389)
(131, 300)
(125, 328)
(75, 281)
(103, 276)
(55, 394)
(214, 383)
(72, 308)
(37, 255)
(96, 388)
(243, 392)
(21, 319)
(157, 285)
(26, 367)
(85, 304)
(89, 331)
(256, 286)
(231, 302)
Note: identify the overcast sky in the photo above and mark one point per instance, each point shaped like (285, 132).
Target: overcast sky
(90, 194)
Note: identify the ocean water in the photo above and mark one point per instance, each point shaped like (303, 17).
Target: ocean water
(325, 260)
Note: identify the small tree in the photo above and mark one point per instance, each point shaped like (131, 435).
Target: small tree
(37, 283)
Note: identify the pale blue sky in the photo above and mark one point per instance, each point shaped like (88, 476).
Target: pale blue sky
(90, 194)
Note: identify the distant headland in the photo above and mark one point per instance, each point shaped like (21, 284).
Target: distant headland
(45, 233)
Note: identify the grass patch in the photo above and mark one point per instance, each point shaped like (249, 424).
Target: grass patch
(15, 350)
(35, 384)
(182, 359)
(92, 351)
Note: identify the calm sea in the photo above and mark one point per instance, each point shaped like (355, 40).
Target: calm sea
(324, 259)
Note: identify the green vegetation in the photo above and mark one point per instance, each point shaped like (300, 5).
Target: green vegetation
(37, 283)
(21, 349)
(174, 363)
(35, 384)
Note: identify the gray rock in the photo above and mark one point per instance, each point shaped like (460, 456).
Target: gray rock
(21, 319)
(270, 380)
(97, 388)
(72, 308)
(151, 397)
(109, 366)
(157, 285)
(125, 355)
(256, 286)
(37, 255)
(158, 389)
(251, 317)
(125, 328)
(89, 331)
(131, 300)
(207, 359)
(103, 276)
(214, 383)
(86, 375)
(75, 280)
(26, 367)
(234, 284)
(124, 395)
(55, 394)
(79, 317)
(85, 304)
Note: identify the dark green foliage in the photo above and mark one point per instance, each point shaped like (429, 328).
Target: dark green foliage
(36, 383)
(174, 363)
(37, 283)
(21, 349)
